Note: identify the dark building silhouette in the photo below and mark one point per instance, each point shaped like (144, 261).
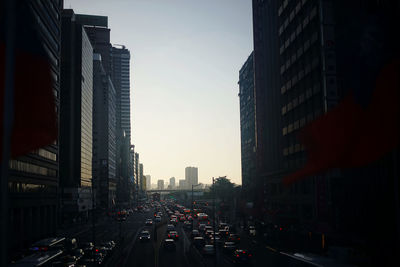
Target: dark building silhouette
(76, 119)
(304, 64)
(247, 126)
(121, 80)
(104, 131)
(33, 178)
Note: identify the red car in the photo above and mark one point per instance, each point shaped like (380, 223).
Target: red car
(173, 234)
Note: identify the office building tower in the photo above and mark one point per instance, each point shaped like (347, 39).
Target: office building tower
(104, 127)
(191, 176)
(182, 184)
(160, 184)
(120, 76)
(172, 182)
(76, 109)
(304, 52)
(247, 127)
(99, 34)
(142, 178)
(33, 178)
(148, 182)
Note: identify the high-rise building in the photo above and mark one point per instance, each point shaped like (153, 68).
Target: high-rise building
(76, 109)
(191, 176)
(160, 184)
(120, 77)
(136, 168)
(104, 146)
(148, 182)
(33, 178)
(172, 182)
(304, 53)
(142, 179)
(247, 126)
(182, 184)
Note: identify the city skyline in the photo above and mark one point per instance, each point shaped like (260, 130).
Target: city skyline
(184, 91)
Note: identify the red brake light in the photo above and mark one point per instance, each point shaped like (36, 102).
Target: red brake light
(43, 249)
(244, 252)
(280, 228)
(177, 236)
(169, 235)
(97, 250)
(237, 255)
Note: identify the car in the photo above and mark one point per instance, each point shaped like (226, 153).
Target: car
(209, 227)
(222, 225)
(202, 227)
(169, 244)
(78, 253)
(241, 256)
(234, 238)
(187, 225)
(107, 246)
(209, 232)
(157, 219)
(173, 234)
(182, 218)
(66, 260)
(87, 246)
(217, 239)
(208, 250)
(199, 242)
(144, 236)
(223, 232)
(149, 222)
(252, 230)
(170, 227)
(195, 233)
(229, 246)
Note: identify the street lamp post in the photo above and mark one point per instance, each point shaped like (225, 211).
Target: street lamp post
(214, 215)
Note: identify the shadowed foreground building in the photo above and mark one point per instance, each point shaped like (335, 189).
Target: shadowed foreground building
(305, 61)
(104, 146)
(76, 120)
(34, 178)
(247, 127)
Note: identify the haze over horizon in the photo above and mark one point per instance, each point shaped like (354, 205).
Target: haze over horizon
(185, 62)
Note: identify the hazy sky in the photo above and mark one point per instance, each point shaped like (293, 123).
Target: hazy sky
(185, 62)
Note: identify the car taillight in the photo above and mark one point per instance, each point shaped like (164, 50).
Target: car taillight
(97, 250)
(177, 235)
(238, 238)
(169, 235)
(237, 255)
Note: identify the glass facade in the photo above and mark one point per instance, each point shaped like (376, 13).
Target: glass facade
(86, 110)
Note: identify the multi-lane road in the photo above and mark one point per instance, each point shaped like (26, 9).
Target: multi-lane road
(132, 252)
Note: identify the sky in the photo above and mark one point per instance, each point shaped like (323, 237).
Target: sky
(185, 62)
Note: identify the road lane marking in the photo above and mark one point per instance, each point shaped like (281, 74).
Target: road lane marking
(272, 249)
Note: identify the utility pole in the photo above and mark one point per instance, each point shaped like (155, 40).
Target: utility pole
(193, 185)
(93, 215)
(215, 242)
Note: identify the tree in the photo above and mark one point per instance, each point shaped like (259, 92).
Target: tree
(223, 188)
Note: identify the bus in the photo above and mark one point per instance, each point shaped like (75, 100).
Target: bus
(50, 244)
(43, 259)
